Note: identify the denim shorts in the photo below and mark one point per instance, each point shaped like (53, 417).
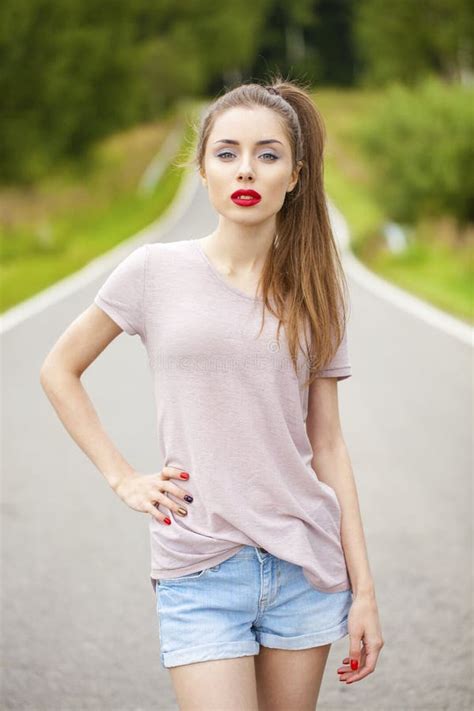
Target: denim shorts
(251, 598)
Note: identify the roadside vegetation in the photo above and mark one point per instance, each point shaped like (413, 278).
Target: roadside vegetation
(57, 225)
(399, 167)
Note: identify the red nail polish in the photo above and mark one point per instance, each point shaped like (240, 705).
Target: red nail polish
(167, 520)
(184, 475)
(354, 664)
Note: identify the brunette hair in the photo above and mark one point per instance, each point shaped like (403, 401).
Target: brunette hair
(303, 272)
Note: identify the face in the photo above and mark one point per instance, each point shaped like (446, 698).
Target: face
(246, 164)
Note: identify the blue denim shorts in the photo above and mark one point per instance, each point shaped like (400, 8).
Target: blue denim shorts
(251, 598)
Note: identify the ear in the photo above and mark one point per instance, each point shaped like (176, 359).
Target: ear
(202, 173)
(294, 176)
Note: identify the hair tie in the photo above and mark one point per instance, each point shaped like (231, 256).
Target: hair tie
(272, 90)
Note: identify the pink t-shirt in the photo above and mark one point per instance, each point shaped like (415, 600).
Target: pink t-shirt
(231, 411)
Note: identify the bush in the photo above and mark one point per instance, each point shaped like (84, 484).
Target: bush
(420, 143)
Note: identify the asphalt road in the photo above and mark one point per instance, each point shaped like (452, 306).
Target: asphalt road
(79, 629)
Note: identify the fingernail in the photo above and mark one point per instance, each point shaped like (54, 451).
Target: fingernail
(189, 499)
(354, 664)
(184, 475)
(167, 520)
(182, 512)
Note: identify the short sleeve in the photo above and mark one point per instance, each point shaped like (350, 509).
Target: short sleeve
(340, 366)
(122, 294)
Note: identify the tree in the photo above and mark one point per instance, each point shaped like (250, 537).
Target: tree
(408, 40)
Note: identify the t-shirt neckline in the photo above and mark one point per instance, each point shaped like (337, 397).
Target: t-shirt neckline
(218, 276)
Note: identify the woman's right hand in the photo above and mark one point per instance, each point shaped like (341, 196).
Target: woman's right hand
(145, 492)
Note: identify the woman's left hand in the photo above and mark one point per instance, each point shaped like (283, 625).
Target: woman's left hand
(364, 627)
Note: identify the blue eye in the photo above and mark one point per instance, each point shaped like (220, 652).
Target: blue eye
(228, 153)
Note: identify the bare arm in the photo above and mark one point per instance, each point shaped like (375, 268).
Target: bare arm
(332, 465)
(60, 378)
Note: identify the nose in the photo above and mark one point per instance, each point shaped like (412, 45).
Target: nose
(245, 173)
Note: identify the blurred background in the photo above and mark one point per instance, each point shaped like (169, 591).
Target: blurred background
(98, 99)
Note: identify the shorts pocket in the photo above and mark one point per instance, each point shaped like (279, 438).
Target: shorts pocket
(190, 576)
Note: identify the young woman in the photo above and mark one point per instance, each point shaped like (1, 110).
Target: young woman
(259, 560)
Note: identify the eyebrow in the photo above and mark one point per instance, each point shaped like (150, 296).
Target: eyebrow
(258, 143)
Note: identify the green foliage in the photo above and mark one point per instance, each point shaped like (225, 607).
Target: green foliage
(420, 143)
(407, 40)
(287, 41)
(64, 69)
(438, 262)
(74, 71)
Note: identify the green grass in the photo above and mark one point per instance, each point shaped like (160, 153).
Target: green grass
(87, 236)
(80, 216)
(438, 264)
(443, 275)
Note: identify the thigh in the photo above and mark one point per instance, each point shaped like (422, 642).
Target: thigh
(290, 679)
(216, 685)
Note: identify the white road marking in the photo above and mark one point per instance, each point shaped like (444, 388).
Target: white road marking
(390, 292)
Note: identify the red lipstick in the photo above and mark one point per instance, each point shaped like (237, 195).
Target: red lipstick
(245, 198)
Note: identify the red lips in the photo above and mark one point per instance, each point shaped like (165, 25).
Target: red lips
(250, 193)
(245, 198)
